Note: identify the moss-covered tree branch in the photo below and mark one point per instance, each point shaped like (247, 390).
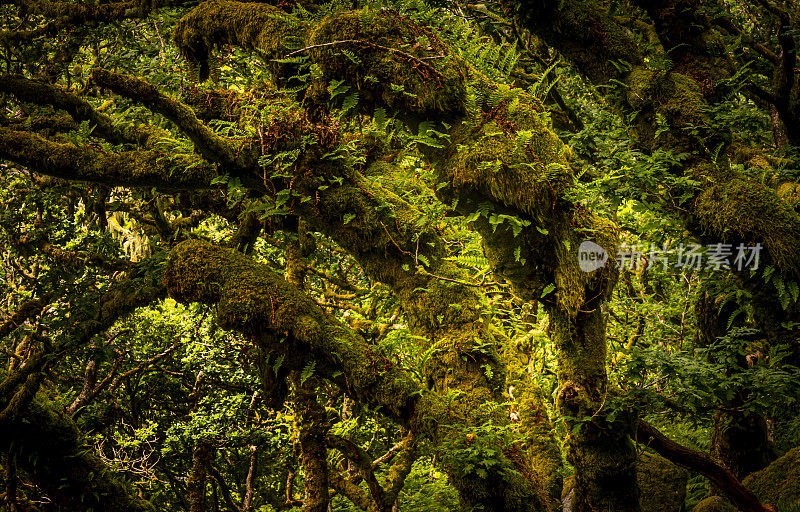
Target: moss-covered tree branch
(144, 168)
(252, 299)
(40, 93)
(212, 146)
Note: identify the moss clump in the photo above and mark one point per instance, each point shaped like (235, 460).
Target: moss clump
(214, 103)
(679, 99)
(778, 483)
(575, 288)
(714, 504)
(511, 156)
(137, 168)
(382, 58)
(752, 213)
(673, 95)
(254, 26)
(662, 484)
(790, 192)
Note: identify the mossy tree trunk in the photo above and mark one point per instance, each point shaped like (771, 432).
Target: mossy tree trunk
(600, 449)
(314, 425)
(741, 441)
(48, 446)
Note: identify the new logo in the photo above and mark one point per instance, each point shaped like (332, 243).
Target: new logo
(591, 256)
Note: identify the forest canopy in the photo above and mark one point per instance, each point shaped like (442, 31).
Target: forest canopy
(407, 255)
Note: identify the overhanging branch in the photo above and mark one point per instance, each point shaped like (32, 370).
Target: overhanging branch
(128, 168)
(211, 146)
(40, 93)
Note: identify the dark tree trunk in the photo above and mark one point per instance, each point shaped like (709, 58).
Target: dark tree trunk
(196, 484)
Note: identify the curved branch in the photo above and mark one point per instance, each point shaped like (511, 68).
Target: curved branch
(41, 93)
(255, 300)
(741, 496)
(361, 459)
(211, 146)
(128, 168)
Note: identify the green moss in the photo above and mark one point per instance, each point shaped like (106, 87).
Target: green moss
(679, 100)
(790, 192)
(137, 168)
(744, 211)
(255, 26)
(214, 103)
(511, 156)
(672, 94)
(584, 31)
(778, 483)
(254, 300)
(605, 472)
(662, 484)
(541, 444)
(383, 61)
(574, 287)
(714, 504)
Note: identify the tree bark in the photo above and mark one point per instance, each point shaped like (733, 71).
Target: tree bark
(196, 484)
(599, 449)
(314, 425)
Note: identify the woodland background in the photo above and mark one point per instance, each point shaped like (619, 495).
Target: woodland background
(323, 255)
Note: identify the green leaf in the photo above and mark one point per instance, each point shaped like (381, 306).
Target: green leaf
(308, 370)
(278, 363)
(349, 102)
